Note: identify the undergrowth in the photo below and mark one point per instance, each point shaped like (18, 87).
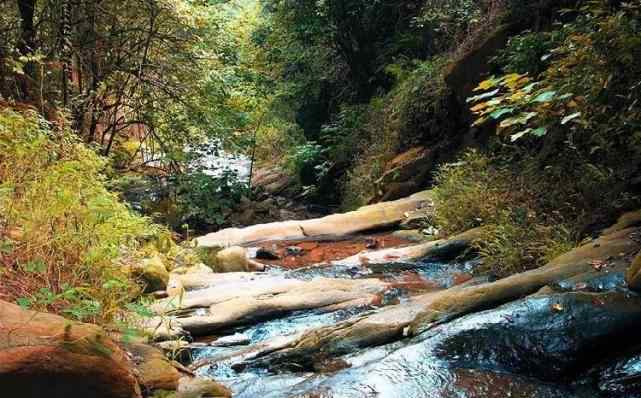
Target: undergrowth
(519, 233)
(61, 230)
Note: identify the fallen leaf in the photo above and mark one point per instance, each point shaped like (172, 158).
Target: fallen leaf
(557, 307)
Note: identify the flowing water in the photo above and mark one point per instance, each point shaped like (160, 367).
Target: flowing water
(412, 368)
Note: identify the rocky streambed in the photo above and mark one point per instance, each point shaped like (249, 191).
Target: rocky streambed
(415, 320)
(345, 307)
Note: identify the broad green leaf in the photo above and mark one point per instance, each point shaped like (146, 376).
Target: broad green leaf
(545, 97)
(540, 132)
(500, 112)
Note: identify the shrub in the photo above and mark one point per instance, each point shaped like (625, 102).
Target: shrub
(528, 52)
(61, 230)
(520, 233)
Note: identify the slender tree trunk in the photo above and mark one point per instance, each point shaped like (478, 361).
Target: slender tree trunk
(27, 45)
(65, 37)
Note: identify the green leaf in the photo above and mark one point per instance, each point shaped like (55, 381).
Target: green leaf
(528, 89)
(24, 302)
(545, 97)
(540, 132)
(35, 267)
(500, 112)
(570, 118)
(6, 247)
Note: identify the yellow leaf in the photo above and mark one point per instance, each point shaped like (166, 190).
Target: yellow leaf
(479, 107)
(480, 121)
(513, 79)
(517, 96)
(486, 85)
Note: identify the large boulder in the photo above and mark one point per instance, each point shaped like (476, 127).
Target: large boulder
(44, 355)
(549, 336)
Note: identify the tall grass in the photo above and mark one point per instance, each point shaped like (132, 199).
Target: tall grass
(524, 230)
(61, 230)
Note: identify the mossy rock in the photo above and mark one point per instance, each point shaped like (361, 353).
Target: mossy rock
(153, 272)
(208, 256)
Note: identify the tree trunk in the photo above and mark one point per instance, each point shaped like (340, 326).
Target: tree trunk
(27, 44)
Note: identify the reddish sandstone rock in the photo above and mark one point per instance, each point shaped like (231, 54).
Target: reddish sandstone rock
(44, 355)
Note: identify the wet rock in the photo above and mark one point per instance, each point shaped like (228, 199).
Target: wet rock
(266, 254)
(153, 272)
(412, 371)
(294, 251)
(231, 341)
(44, 355)
(609, 279)
(199, 388)
(287, 296)
(546, 336)
(612, 249)
(621, 377)
(438, 250)
(424, 312)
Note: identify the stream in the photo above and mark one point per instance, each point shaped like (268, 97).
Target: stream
(411, 368)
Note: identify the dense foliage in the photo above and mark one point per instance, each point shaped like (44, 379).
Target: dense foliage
(61, 231)
(567, 149)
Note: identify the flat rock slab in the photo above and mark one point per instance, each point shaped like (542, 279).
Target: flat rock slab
(247, 301)
(442, 249)
(425, 312)
(380, 215)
